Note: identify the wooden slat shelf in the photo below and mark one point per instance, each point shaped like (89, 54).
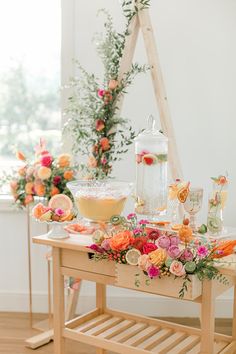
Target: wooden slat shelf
(123, 334)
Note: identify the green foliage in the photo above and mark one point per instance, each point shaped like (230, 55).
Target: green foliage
(86, 108)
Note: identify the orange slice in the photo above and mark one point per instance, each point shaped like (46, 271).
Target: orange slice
(182, 194)
(61, 201)
(160, 223)
(176, 227)
(67, 216)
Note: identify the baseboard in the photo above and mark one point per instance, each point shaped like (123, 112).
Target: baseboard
(150, 306)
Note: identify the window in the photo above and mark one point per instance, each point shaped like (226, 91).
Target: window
(30, 37)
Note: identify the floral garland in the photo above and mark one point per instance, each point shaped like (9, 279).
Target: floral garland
(94, 122)
(44, 177)
(159, 254)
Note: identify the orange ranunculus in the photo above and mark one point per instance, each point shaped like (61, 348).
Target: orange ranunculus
(22, 171)
(29, 188)
(20, 156)
(28, 199)
(121, 241)
(64, 160)
(39, 189)
(68, 175)
(44, 172)
(92, 162)
(105, 144)
(54, 191)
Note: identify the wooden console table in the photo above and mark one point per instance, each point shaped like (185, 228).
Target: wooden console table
(127, 333)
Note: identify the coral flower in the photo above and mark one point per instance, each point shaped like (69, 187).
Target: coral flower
(46, 160)
(121, 241)
(39, 189)
(140, 242)
(92, 162)
(68, 175)
(29, 188)
(113, 84)
(20, 156)
(99, 125)
(44, 172)
(64, 160)
(105, 144)
(54, 191)
(28, 199)
(22, 171)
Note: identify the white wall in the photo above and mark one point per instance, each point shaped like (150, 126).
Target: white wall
(197, 48)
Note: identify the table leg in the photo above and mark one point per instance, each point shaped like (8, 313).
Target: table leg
(234, 315)
(101, 304)
(207, 318)
(58, 297)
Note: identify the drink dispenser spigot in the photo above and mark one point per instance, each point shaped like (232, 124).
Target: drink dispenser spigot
(151, 150)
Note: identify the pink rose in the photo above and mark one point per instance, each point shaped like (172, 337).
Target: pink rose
(173, 251)
(163, 242)
(177, 268)
(149, 247)
(106, 244)
(144, 262)
(202, 252)
(46, 160)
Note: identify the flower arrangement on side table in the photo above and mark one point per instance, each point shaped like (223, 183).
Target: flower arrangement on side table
(94, 121)
(44, 177)
(160, 253)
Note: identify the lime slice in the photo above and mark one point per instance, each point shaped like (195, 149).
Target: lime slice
(214, 224)
(132, 256)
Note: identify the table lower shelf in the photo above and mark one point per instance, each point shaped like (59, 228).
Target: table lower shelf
(123, 332)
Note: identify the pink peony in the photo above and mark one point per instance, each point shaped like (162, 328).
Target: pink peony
(144, 262)
(56, 180)
(173, 251)
(174, 240)
(202, 251)
(101, 93)
(46, 160)
(163, 242)
(177, 268)
(149, 247)
(153, 271)
(187, 255)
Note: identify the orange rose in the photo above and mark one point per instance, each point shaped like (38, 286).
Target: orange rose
(92, 162)
(39, 189)
(105, 144)
(54, 191)
(44, 172)
(29, 188)
(28, 199)
(68, 175)
(20, 156)
(64, 160)
(121, 241)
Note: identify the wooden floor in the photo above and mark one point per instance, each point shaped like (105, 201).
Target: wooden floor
(14, 328)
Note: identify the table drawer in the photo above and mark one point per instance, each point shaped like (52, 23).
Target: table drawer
(167, 286)
(83, 261)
